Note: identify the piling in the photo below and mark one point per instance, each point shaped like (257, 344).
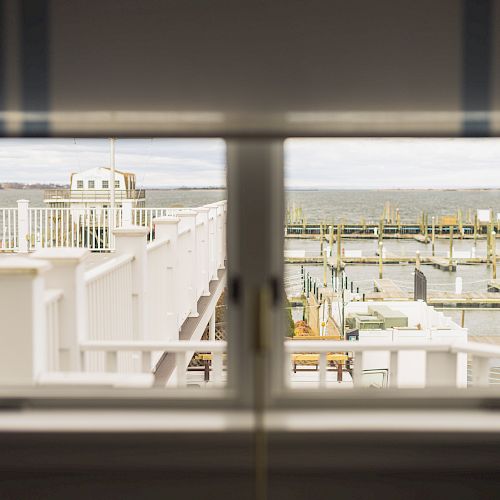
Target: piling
(462, 321)
(450, 261)
(321, 238)
(494, 254)
(331, 241)
(417, 260)
(475, 229)
(380, 260)
(325, 268)
(339, 246)
(398, 220)
(433, 235)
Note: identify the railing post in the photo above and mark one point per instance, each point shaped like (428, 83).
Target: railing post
(480, 371)
(441, 369)
(23, 342)
(188, 221)
(67, 274)
(167, 228)
(132, 240)
(126, 213)
(212, 241)
(203, 251)
(23, 225)
(221, 243)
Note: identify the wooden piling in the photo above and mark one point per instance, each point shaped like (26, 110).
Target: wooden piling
(417, 260)
(325, 268)
(433, 235)
(494, 253)
(380, 259)
(450, 260)
(339, 246)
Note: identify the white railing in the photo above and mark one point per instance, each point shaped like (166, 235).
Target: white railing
(72, 227)
(8, 229)
(144, 217)
(24, 229)
(441, 359)
(109, 302)
(144, 292)
(145, 350)
(53, 329)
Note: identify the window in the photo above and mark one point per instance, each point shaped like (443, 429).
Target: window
(117, 184)
(160, 257)
(391, 243)
(79, 184)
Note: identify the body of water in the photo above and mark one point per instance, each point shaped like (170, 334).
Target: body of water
(154, 197)
(353, 205)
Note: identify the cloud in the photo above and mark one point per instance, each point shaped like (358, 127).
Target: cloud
(156, 162)
(392, 163)
(314, 163)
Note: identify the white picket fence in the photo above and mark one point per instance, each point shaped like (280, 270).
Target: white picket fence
(136, 301)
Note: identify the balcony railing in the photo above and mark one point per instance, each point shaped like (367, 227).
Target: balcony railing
(121, 316)
(97, 195)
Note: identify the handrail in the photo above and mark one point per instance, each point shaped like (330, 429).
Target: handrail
(156, 244)
(154, 345)
(300, 346)
(107, 267)
(52, 295)
(320, 346)
(184, 231)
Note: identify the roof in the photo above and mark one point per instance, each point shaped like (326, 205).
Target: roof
(102, 168)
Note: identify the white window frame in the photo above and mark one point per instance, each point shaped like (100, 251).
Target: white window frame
(105, 184)
(255, 187)
(89, 186)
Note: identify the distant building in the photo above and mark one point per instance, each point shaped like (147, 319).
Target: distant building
(91, 189)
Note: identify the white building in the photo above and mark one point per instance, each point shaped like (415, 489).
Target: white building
(91, 189)
(424, 324)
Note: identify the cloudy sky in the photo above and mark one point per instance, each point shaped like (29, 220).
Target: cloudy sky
(332, 163)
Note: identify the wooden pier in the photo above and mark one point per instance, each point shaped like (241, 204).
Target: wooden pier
(387, 289)
(437, 262)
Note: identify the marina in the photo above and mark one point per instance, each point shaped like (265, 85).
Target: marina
(345, 263)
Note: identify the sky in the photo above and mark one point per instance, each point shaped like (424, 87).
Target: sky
(309, 163)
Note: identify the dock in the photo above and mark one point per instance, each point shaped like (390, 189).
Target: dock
(437, 262)
(387, 289)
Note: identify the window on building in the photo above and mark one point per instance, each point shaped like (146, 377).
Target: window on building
(79, 184)
(105, 184)
(91, 184)
(117, 184)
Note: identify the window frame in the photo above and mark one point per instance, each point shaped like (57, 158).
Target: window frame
(255, 171)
